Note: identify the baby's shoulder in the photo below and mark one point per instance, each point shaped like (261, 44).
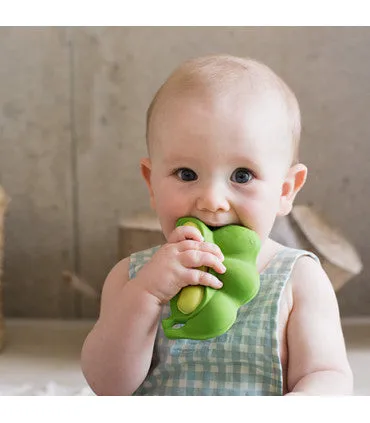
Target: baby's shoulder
(309, 280)
(303, 272)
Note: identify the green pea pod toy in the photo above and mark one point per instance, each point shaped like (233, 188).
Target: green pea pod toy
(201, 312)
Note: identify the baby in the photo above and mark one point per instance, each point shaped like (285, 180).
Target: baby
(222, 137)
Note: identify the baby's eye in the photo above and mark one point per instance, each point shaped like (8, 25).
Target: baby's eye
(186, 174)
(241, 176)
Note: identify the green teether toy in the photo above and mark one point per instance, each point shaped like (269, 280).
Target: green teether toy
(200, 312)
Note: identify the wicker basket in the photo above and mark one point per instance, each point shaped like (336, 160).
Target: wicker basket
(3, 204)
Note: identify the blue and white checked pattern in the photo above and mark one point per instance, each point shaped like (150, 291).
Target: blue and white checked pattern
(243, 361)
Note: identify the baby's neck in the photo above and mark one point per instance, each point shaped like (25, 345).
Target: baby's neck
(268, 250)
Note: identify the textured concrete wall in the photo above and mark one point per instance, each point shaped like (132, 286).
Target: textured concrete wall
(72, 115)
(35, 170)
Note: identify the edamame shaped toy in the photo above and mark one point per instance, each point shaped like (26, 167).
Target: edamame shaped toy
(201, 312)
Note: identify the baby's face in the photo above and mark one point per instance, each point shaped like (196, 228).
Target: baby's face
(219, 161)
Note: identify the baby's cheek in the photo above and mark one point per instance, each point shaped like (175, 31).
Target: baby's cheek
(256, 217)
(167, 220)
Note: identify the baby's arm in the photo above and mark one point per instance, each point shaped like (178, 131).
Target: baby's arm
(117, 353)
(317, 360)
(112, 362)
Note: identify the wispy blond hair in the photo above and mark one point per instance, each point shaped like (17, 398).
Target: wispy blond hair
(220, 73)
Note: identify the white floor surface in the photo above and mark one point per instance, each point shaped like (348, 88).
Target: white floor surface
(42, 357)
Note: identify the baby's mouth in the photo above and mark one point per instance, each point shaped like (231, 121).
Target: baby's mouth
(214, 228)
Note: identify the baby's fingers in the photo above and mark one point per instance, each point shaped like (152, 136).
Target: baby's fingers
(208, 247)
(198, 258)
(198, 277)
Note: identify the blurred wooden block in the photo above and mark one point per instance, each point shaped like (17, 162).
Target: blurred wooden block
(3, 205)
(138, 233)
(304, 228)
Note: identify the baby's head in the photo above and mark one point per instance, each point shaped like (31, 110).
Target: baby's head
(242, 81)
(214, 116)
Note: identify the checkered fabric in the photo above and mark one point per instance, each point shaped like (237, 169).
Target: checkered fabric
(243, 361)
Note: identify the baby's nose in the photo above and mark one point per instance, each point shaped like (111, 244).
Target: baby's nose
(213, 198)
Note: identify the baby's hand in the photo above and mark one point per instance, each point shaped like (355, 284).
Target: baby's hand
(176, 265)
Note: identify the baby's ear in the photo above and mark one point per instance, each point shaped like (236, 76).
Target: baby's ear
(294, 181)
(146, 171)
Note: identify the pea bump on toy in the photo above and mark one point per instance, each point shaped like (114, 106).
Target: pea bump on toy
(201, 312)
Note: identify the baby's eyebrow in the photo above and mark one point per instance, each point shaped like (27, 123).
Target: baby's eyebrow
(245, 161)
(180, 160)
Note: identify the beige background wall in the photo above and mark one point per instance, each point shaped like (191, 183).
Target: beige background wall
(72, 113)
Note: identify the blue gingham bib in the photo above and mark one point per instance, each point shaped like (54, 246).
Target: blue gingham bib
(243, 361)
